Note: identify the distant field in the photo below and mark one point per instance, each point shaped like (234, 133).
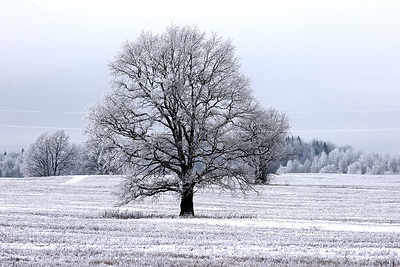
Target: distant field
(301, 220)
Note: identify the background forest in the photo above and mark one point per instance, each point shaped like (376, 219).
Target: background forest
(299, 156)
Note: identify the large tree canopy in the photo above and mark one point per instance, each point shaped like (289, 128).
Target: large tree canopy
(174, 115)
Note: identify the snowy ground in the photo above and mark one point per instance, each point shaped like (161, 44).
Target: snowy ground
(301, 220)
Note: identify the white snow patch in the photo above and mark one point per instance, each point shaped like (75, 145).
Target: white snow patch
(301, 224)
(76, 179)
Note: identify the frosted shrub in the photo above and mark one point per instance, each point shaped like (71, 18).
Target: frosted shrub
(329, 169)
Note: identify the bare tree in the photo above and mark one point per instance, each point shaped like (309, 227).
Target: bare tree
(49, 155)
(95, 159)
(263, 140)
(172, 115)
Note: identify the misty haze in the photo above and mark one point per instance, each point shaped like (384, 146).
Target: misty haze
(218, 133)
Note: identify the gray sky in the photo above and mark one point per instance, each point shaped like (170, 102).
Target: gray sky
(332, 66)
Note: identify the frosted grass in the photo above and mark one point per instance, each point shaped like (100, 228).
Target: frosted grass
(301, 220)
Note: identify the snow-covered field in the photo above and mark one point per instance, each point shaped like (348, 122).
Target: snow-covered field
(301, 220)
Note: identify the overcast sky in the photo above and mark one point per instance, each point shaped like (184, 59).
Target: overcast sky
(332, 66)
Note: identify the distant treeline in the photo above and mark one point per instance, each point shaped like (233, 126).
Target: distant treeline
(301, 157)
(10, 164)
(324, 157)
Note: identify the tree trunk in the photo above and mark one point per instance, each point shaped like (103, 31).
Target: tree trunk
(262, 174)
(259, 173)
(187, 201)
